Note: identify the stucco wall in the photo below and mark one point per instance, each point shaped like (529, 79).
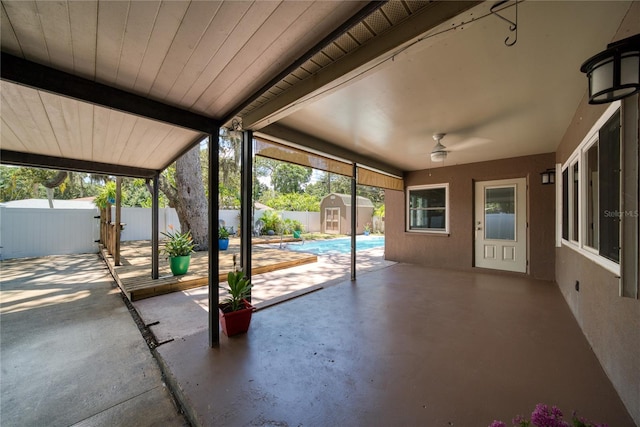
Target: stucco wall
(611, 323)
(456, 251)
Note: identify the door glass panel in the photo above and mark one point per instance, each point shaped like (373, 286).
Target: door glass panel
(500, 213)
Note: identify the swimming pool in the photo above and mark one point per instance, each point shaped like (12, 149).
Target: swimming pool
(340, 245)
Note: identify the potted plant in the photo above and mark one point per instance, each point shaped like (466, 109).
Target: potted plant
(297, 229)
(178, 249)
(367, 229)
(235, 311)
(223, 238)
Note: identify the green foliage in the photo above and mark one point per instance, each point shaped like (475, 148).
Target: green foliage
(290, 225)
(290, 178)
(228, 197)
(107, 193)
(295, 202)
(239, 288)
(379, 211)
(272, 221)
(179, 244)
(136, 194)
(18, 183)
(14, 184)
(223, 233)
(318, 189)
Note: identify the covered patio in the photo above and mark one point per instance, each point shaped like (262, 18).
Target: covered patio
(126, 88)
(404, 345)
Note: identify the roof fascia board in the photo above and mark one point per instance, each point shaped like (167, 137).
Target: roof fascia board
(59, 163)
(284, 133)
(367, 10)
(415, 26)
(41, 77)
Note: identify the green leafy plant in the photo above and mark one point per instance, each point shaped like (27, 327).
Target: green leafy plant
(367, 227)
(272, 221)
(223, 233)
(289, 225)
(239, 289)
(179, 244)
(106, 195)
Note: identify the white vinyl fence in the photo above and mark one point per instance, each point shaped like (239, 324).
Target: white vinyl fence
(138, 222)
(35, 232)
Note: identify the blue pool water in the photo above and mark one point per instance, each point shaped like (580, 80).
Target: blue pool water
(341, 245)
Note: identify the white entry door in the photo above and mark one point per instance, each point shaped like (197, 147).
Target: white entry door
(501, 225)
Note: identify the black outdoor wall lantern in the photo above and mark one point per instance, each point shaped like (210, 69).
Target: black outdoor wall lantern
(548, 176)
(615, 72)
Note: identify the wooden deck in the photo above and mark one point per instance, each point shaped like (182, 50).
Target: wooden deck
(134, 275)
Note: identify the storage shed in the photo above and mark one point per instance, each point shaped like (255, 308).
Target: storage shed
(335, 213)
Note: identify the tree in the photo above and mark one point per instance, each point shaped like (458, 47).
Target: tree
(290, 178)
(184, 189)
(295, 202)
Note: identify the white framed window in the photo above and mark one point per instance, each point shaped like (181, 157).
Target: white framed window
(428, 208)
(591, 193)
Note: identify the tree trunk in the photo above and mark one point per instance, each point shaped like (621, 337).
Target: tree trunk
(52, 183)
(190, 201)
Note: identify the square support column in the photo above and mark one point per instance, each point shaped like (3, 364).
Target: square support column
(214, 264)
(246, 203)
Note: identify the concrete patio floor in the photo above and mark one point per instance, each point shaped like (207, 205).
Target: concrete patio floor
(184, 313)
(403, 345)
(70, 351)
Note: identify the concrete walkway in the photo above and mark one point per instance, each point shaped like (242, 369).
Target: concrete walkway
(71, 353)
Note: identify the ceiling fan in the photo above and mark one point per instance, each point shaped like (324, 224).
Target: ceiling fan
(439, 151)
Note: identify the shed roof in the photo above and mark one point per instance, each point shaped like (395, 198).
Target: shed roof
(346, 199)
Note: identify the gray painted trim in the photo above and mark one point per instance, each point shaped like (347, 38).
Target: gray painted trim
(31, 74)
(40, 161)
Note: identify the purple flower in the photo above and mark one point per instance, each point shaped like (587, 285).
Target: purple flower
(497, 423)
(543, 416)
(520, 421)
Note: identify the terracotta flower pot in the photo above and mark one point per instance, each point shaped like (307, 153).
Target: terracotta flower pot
(236, 322)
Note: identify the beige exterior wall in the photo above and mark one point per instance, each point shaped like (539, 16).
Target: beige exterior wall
(456, 251)
(610, 322)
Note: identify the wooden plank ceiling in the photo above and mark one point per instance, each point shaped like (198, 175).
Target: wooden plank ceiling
(370, 80)
(205, 57)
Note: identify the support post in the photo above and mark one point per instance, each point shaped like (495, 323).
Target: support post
(214, 264)
(246, 203)
(354, 219)
(155, 197)
(116, 254)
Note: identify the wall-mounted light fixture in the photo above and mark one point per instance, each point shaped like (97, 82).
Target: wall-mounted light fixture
(236, 125)
(615, 72)
(548, 176)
